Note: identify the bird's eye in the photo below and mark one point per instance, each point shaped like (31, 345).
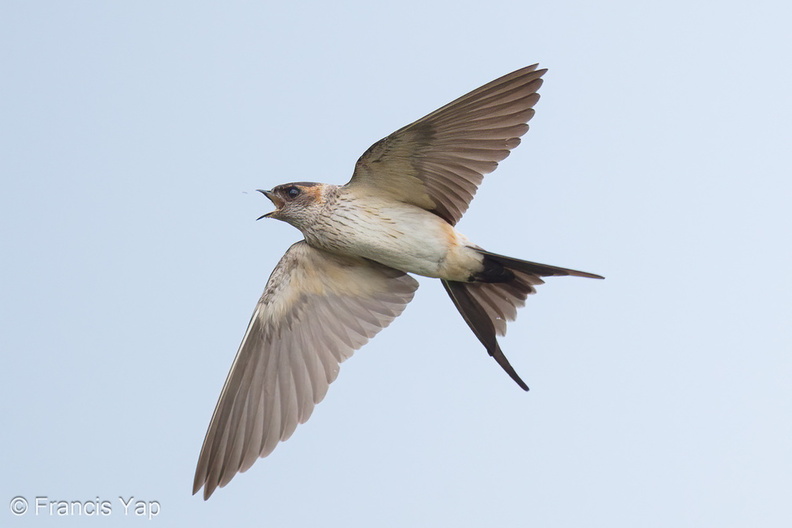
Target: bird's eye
(293, 192)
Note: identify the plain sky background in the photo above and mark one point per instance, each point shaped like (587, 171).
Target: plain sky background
(135, 133)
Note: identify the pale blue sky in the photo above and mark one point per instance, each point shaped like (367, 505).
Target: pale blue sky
(134, 135)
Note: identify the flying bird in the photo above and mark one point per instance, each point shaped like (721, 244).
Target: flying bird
(349, 276)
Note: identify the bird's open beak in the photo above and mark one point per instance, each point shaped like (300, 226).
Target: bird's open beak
(276, 200)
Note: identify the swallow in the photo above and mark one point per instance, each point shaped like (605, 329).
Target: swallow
(350, 275)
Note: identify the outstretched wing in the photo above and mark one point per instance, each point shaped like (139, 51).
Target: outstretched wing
(438, 162)
(316, 310)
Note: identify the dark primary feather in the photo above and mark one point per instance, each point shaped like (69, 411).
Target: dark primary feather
(438, 162)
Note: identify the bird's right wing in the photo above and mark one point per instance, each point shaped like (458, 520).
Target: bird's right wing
(438, 162)
(316, 310)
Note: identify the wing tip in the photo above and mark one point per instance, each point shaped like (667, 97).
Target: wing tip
(208, 489)
(201, 481)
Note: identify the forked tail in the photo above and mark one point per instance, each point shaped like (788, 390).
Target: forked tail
(492, 300)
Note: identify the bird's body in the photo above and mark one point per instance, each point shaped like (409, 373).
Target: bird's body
(348, 278)
(398, 235)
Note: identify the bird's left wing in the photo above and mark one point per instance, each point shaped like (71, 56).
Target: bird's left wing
(438, 162)
(316, 310)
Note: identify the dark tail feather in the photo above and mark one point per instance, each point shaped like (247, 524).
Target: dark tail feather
(542, 270)
(493, 298)
(481, 324)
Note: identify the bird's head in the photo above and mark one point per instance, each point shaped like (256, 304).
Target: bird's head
(295, 203)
